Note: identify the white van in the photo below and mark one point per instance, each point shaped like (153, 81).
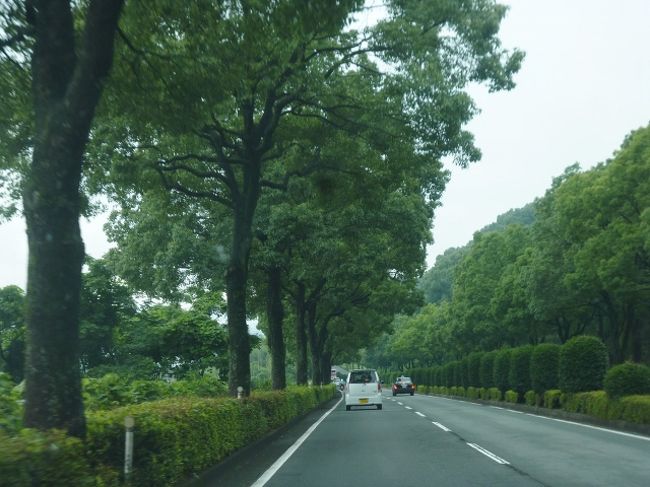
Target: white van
(362, 388)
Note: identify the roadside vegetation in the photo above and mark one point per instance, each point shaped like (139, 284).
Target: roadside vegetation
(265, 163)
(515, 313)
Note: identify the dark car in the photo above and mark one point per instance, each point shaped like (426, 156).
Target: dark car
(403, 385)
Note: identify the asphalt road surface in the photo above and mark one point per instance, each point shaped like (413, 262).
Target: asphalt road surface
(432, 441)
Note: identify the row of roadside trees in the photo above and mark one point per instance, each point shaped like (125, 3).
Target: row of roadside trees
(265, 151)
(576, 261)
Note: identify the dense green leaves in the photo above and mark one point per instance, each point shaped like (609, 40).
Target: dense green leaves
(581, 266)
(583, 363)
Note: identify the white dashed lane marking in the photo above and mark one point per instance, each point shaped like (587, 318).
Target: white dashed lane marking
(420, 414)
(442, 427)
(489, 454)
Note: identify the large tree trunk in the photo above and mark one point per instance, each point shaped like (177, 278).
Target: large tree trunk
(66, 91)
(301, 337)
(314, 348)
(236, 282)
(275, 315)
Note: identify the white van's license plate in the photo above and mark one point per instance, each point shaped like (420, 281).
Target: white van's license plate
(363, 401)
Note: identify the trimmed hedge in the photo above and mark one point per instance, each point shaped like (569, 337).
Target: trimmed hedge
(486, 369)
(502, 369)
(519, 372)
(512, 396)
(544, 363)
(173, 439)
(552, 399)
(45, 459)
(582, 365)
(531, 398)
(627, 379)
(474, 369)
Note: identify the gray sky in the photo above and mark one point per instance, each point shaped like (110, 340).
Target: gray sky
(584, 85)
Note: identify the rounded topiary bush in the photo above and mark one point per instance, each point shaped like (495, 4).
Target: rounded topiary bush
(502, 369)
(519, 373)
(582, 365)
(627, 379)
(486, 369)
(544, 364)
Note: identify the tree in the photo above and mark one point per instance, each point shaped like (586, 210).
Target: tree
(12, 331)
(105, 302)
(68, 67)
(215, 134)
(436, 283)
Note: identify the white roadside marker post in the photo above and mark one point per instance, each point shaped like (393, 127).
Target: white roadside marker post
(240, 392)
(129, 422)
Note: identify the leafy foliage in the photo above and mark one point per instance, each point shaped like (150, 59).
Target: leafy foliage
(582, 365)
(519, 376)
(12, 331)
(502, 369)
(627, 379)
(544, 364)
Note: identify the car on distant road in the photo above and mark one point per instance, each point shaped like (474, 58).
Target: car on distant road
(338, 383)
(403, 385)
(362, 388)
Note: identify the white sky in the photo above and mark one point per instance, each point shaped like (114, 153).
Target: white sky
(584, 85)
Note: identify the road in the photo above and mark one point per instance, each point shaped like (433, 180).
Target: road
(426, 440)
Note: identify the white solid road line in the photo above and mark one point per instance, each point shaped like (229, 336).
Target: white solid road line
(420, 414)
(272, 470)
(408, 407)
(443, 428)
(489, 454)
(607, 430)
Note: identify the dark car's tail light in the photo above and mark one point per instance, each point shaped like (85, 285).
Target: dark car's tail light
(413, 386)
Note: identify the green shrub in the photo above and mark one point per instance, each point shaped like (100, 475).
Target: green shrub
(512, 396)
(531, 398)
(11, 411)
(484, 393)
(474, 369)
(45, 459)
(635, 409)
(582, 365)
(502, 369)
(456, 373)
(463, 372)
(495, 394)
(544, 364)
(486, 369)
(472, 393)
(519, 371)
(177, 437)
(552, 398)
(627, 379)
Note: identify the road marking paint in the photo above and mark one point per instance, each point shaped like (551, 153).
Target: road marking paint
(420, 414)
(513, 411)
(496, 407)
(408, 407)
(400, 403)
(622, 433)
(444, 428)
(272, 470)
(489, 454)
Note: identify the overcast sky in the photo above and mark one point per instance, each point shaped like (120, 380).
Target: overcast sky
(585, 84)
